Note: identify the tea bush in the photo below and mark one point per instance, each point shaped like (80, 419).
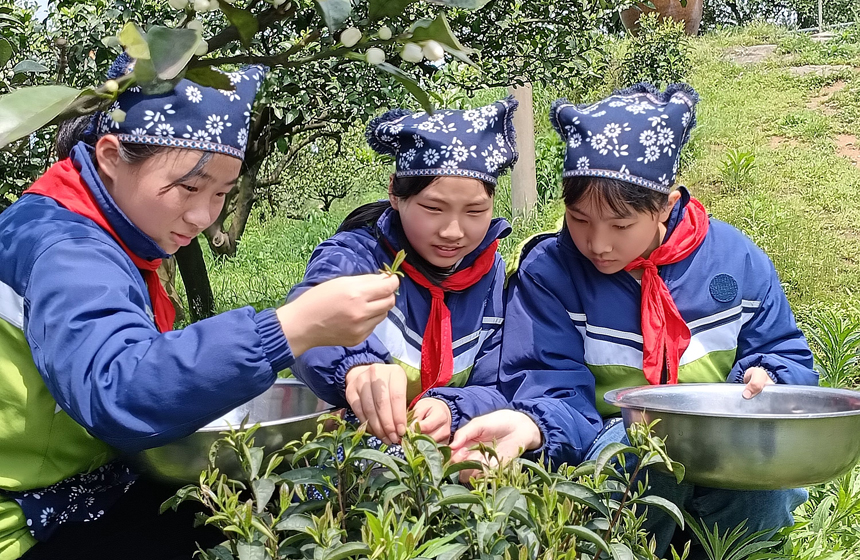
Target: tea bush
(377, 506)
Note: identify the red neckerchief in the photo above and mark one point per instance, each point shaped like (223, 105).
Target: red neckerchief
(63, 183)
(437, 352)
(664, 332)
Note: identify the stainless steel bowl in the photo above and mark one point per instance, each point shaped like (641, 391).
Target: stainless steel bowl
(285, 412)
(788, 436)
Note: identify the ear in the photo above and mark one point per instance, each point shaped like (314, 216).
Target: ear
(108, 158)
(393, 200)
(674, 197)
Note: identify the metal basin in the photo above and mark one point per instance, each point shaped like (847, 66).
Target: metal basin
(788, 436)
(285, 412)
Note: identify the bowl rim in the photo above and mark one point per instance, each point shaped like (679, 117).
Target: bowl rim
(280, 381)
(615, 397)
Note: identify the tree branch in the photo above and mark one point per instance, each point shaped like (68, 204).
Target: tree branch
(265, 20)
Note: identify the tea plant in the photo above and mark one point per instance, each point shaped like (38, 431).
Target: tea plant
(340, 499)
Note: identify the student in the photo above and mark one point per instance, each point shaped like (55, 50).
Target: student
(639, 287)
(89, 363)
(438, 349)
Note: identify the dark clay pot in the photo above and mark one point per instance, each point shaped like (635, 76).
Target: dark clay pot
(691, 14)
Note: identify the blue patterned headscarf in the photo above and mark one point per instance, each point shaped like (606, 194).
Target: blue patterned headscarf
(478, 143)
(190, 116)
(634, 135)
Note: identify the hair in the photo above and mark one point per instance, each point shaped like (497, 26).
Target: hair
(78, 129)
(619, 196)
(402, 188)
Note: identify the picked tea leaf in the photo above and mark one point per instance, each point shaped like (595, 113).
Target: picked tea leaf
(395, 266)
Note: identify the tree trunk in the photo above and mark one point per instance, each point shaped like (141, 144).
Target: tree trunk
(524, 175)
(192, 267)
(225, 241)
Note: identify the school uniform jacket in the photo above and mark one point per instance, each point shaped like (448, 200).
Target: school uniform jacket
(83, 370)
(572, 333)
(476, 321)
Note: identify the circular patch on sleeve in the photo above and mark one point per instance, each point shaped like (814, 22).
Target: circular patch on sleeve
(723, 288)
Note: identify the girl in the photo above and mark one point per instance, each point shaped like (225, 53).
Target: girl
(88, 361)
(640, 286)
(438, 349)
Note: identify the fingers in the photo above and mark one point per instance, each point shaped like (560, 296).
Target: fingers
(756, 378)
(397, 401)
(379, 286)
(433, 418)
(377, 395)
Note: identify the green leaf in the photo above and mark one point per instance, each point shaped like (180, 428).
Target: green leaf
(583, 495)
(171, 49)
(506, 498)
(134, 41)
(298, 523)
(251, 551)
(392, 492)
(308, 475)
(458, 500)
(209, 77)
(5, 52)
(346, 550)
(263, 490)
(462, 466)
(29, 67)
(243, 20)
(454, 553)
(536, 469)
(437, 30)
(26, 110)
(387, 8)
(334, 12)
(607, 453)
(663, 504)
(255, 461)
(621, 552)
(588, 535)
(378, 457)
(433, 457)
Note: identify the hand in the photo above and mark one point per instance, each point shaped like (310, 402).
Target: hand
(377, 395)
(755, 378)
(508, 431)
(433, 417)
(340, 312)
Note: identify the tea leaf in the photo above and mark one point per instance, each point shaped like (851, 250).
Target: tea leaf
(299, 523)
(583, 495)
(458, 500)
(607, 453)
(252, 551)
(263, 490)
(664, 504)
(346, 550)
(384, 459)
(588, 535)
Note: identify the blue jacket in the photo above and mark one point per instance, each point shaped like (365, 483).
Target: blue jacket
(85, 312)
(476, 320)
(572, 333)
